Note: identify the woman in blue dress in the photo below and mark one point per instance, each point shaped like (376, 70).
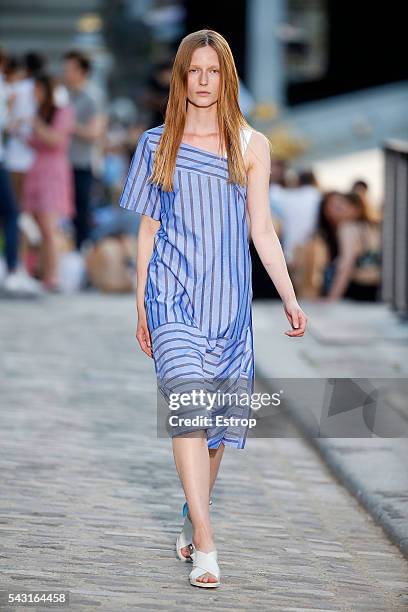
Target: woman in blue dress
(200, 181)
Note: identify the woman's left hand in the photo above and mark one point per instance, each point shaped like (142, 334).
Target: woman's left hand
(296, 318)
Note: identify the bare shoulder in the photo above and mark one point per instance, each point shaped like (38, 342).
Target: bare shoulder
(259, 150)
(349, 236)
(348, 229)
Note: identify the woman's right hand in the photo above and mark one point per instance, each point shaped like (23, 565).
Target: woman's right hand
(143, 336)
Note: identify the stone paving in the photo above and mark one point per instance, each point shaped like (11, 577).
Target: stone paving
(347, 340)
(91, 502)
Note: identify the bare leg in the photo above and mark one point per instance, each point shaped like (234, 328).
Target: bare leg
(197, 467)
(216, 455)
(47, 225)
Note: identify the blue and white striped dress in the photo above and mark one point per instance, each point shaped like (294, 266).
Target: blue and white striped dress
(198, 294)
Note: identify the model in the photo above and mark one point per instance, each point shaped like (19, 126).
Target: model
(199, 180)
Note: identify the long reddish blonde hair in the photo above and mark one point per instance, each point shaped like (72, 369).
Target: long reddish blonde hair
(230, 117)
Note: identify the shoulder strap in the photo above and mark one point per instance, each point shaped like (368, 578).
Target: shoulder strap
(245, 136)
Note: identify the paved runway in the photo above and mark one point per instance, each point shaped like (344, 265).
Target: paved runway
(90, 499)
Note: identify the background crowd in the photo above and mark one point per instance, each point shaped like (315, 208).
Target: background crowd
(64, 154)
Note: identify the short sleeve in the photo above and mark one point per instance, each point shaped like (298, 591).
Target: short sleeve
(138, 195)
(89, 109)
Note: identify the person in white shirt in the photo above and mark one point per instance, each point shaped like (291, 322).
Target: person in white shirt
(19, 156)
(16, 281)
(297, 208)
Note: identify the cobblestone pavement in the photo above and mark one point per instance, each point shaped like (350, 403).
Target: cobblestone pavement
(91, 502)
(348, 340)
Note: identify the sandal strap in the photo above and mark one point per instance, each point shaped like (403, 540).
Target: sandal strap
(185, 508)
(186, 535)
(184, 539)
(204, 562)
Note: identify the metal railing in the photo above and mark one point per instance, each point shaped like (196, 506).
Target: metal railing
(395, 227)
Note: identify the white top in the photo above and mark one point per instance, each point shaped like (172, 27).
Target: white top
(245, 137)
(19, 156)
(298, 209)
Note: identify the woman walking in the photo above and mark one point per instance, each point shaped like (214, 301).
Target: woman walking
(198, 179)
(48, 186)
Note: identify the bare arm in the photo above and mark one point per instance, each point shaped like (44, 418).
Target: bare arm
(263, 233)
(147, 230)
(348, 253)
(92, 130)
(48, 134)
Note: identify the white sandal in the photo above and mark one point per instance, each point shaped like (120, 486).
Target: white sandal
(185, 538)
(202, 563)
